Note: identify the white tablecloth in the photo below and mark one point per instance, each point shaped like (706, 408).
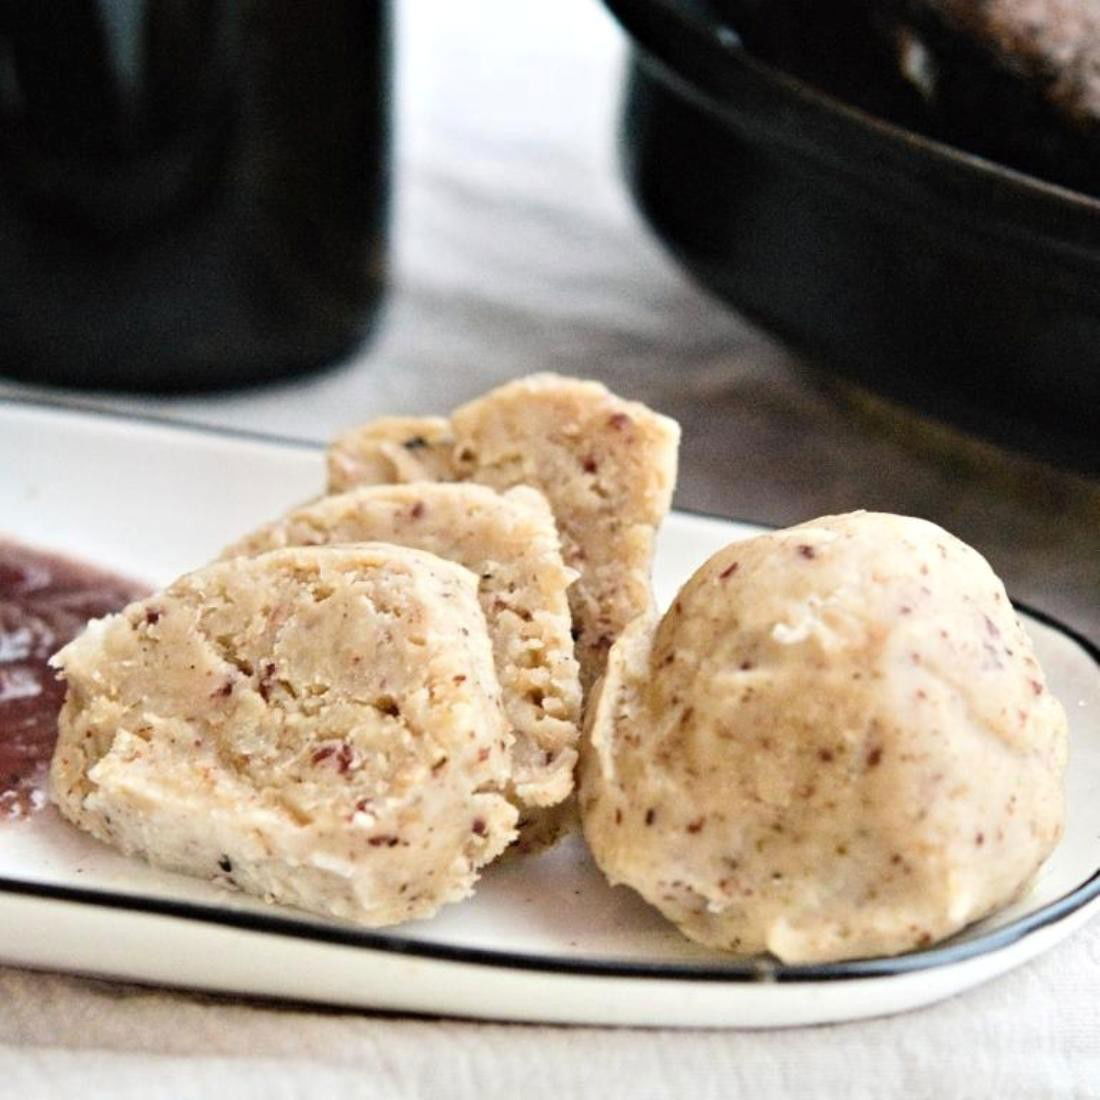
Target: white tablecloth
(516, 249)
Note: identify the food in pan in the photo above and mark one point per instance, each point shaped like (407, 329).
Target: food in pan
(1017, 81)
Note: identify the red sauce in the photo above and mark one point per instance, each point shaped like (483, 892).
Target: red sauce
(45, 600)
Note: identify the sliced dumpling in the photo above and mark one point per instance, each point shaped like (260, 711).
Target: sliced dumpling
(319, 726)
(509, 541)
(607, 466)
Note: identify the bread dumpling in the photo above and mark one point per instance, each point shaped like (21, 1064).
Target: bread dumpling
(836, 743)
(509, 541)
(319, 726)
(607, 467)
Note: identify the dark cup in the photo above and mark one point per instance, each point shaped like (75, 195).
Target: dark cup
(193, 193)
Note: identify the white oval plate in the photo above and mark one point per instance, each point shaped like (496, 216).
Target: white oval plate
(544, 939)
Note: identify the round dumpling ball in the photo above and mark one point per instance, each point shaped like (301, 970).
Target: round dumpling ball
(836, 743)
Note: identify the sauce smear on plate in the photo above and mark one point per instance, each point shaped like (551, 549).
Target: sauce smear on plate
(45, 600)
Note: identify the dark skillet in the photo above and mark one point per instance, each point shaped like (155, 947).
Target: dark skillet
(962, 287)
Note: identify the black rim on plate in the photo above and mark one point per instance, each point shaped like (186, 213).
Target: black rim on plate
(745, 971)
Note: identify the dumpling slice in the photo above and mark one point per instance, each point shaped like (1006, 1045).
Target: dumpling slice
(509, 541)
(318, 726)
(606, 465)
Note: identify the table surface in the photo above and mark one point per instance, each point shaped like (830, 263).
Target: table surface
(516, 249)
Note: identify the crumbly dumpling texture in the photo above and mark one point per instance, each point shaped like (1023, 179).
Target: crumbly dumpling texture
(319, 726)
(607, 466)
(390, 450)
(836, 743)
(509, 541)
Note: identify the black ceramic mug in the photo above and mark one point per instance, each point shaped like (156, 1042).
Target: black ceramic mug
(193, 193)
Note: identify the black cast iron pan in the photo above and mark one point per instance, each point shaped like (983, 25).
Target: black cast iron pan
(964, 288)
